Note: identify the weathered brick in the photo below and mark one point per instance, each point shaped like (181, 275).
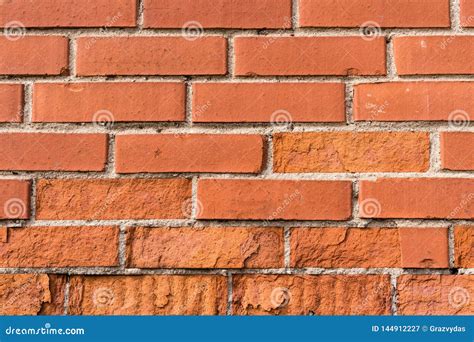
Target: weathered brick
(464, 246)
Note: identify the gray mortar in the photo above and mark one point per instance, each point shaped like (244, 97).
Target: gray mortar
(434, 128)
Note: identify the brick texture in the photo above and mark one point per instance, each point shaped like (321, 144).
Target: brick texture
(236, 157)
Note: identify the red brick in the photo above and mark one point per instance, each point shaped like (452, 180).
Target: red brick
(14, 199)
(456, 150)
(435, 294)
(89, 199)
(242, 199)
(23, 294)
(189, 153)
(57, 288)
(53, 151)
(381, 13)
(148, 295)
(414, 101)
(117, 101)
(46, 246)
(308, 295)
(443, 198)
(351, 152)
(69, 13)
(280, 56)
(217, 13)
(369, 247)
(464, 246)
(11, 103)
(151, 56)
(467, 13)
(268, 102)
(212, 247)
(434, 55)
(34, 55)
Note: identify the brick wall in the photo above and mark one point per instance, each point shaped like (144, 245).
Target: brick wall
(237, 157)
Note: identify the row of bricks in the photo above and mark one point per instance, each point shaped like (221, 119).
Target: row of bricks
(308, 152)
(250, 14)
(283, 102)
(251, 294)
(257, 55)
(235, 247)
(238, 199)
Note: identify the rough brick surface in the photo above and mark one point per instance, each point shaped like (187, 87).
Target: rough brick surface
(369, 247)
(414, 101)
(217, 14)
(150, 56)
(268, 102)
(70, 199)
(189, 153)
(304, 295)
(274, 199)
(69, 13)
(464, 246)
(435, 294)
(447, 198)
(148, 295)
(351, 152)
(381, 13)
(108, 102)
(14, 199)
(309, 56)
(33, 55)
(11, 103)
(44, 151)
(220, 247)
(42, 246)
(456, 151)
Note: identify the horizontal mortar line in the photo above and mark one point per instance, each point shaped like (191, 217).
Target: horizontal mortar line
(170, 223)
(138, 128)
(105, 271)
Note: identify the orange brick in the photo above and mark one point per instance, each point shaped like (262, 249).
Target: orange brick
(14, 199)
(217, 14)
(243, 199)
(435, 294)
(351, 152)
(53, 151)
(467, 13)
(109, 101)
(268, 102)
(148, 295)
(308, 295)
(414, 101)
(456, 151)
(280, 56)
(151, 56)
(369, 247)
(69, 13)
(212, 247)
(381, 13)
(189, 153)
(444, 198)
(434, 55)
(11, 103)
(46, 246)
(57, 288)
(34, 55)
(464, 246)
(89, 199)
